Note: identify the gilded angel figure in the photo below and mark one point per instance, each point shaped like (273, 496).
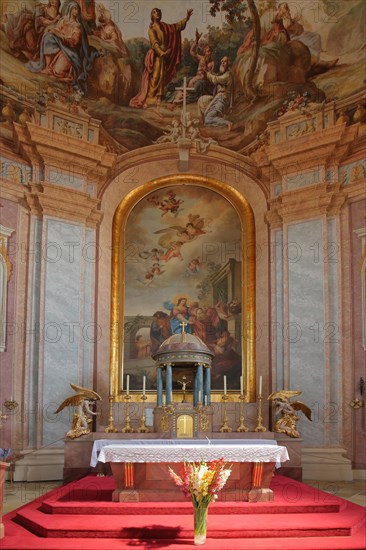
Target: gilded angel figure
(80, 402)
(287, 422)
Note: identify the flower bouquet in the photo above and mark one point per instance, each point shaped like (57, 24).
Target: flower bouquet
(201, 481)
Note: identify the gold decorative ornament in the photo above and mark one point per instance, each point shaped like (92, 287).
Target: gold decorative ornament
(2, 417)
(81, 402)
(164, 423)
(287, 422)
(10, 404)
(3, 253)
(204, 419)
(356, 403)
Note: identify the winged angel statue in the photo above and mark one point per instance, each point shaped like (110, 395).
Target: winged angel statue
(80, 402)
(286, 423)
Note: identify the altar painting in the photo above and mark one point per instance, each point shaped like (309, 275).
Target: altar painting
(183, 264)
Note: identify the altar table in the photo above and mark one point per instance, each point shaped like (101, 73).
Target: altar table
(140, 467)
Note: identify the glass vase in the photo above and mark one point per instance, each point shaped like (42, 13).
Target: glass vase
(200, 524)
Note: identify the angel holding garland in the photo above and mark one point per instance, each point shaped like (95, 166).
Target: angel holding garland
(80, 402)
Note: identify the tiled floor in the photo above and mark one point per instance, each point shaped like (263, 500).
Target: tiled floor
(354, 491)
(20, 493)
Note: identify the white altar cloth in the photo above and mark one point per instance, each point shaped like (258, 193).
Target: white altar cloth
(193, 452)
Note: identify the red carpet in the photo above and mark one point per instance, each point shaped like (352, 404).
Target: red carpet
(81, 516)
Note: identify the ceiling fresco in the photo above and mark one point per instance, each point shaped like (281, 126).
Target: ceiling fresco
(213, 71)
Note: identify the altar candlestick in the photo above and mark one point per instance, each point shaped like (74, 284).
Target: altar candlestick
(241, 386)
(225, 388)
(127, 384)
(143, 385)
(260, 385)
(199, 396)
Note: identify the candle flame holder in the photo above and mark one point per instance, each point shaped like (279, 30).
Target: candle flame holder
(260, 427)
(111, 428)
(127, 427)
(143, 428)
(242, 427)
(225, 428)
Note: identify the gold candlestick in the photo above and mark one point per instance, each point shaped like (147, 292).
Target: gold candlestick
(225, 427)
(111, 428)
(260, 427)
(143, 428)
(242, 427)
(128, 428)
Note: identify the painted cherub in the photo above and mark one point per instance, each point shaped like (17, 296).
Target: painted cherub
(172, 135)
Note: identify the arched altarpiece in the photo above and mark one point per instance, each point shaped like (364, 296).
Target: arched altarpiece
(248, 266)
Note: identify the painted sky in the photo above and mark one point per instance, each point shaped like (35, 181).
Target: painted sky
(133, 18)
(220, 241)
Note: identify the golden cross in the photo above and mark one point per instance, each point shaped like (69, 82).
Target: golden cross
(183, 324)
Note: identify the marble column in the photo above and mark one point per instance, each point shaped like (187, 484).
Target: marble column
(207, 385)
(168, 383)
(159, 386)
(195, 390)
(199, 385)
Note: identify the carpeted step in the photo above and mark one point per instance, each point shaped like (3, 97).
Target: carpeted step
(230, 527)
(181, 526)
(185, 508)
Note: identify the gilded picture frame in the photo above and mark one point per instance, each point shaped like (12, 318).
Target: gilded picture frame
(124, 249)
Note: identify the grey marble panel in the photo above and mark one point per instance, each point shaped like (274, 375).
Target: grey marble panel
(34, 334)
(332, 332)
(89, 334)
(279, 309)
(305, 332)
(61, 331)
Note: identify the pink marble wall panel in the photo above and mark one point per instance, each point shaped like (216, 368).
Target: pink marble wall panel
(9, 213)
(357, 221)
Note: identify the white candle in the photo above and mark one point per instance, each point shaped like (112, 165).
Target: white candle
(171, 397)
(199, 396)
(205, 400)
(127, 384)
(225, 389)
(241, 386)
(143, 385)
(163, 400)
(260, 385)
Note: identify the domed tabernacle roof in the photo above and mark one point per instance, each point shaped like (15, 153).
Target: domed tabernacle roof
(183, 348)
